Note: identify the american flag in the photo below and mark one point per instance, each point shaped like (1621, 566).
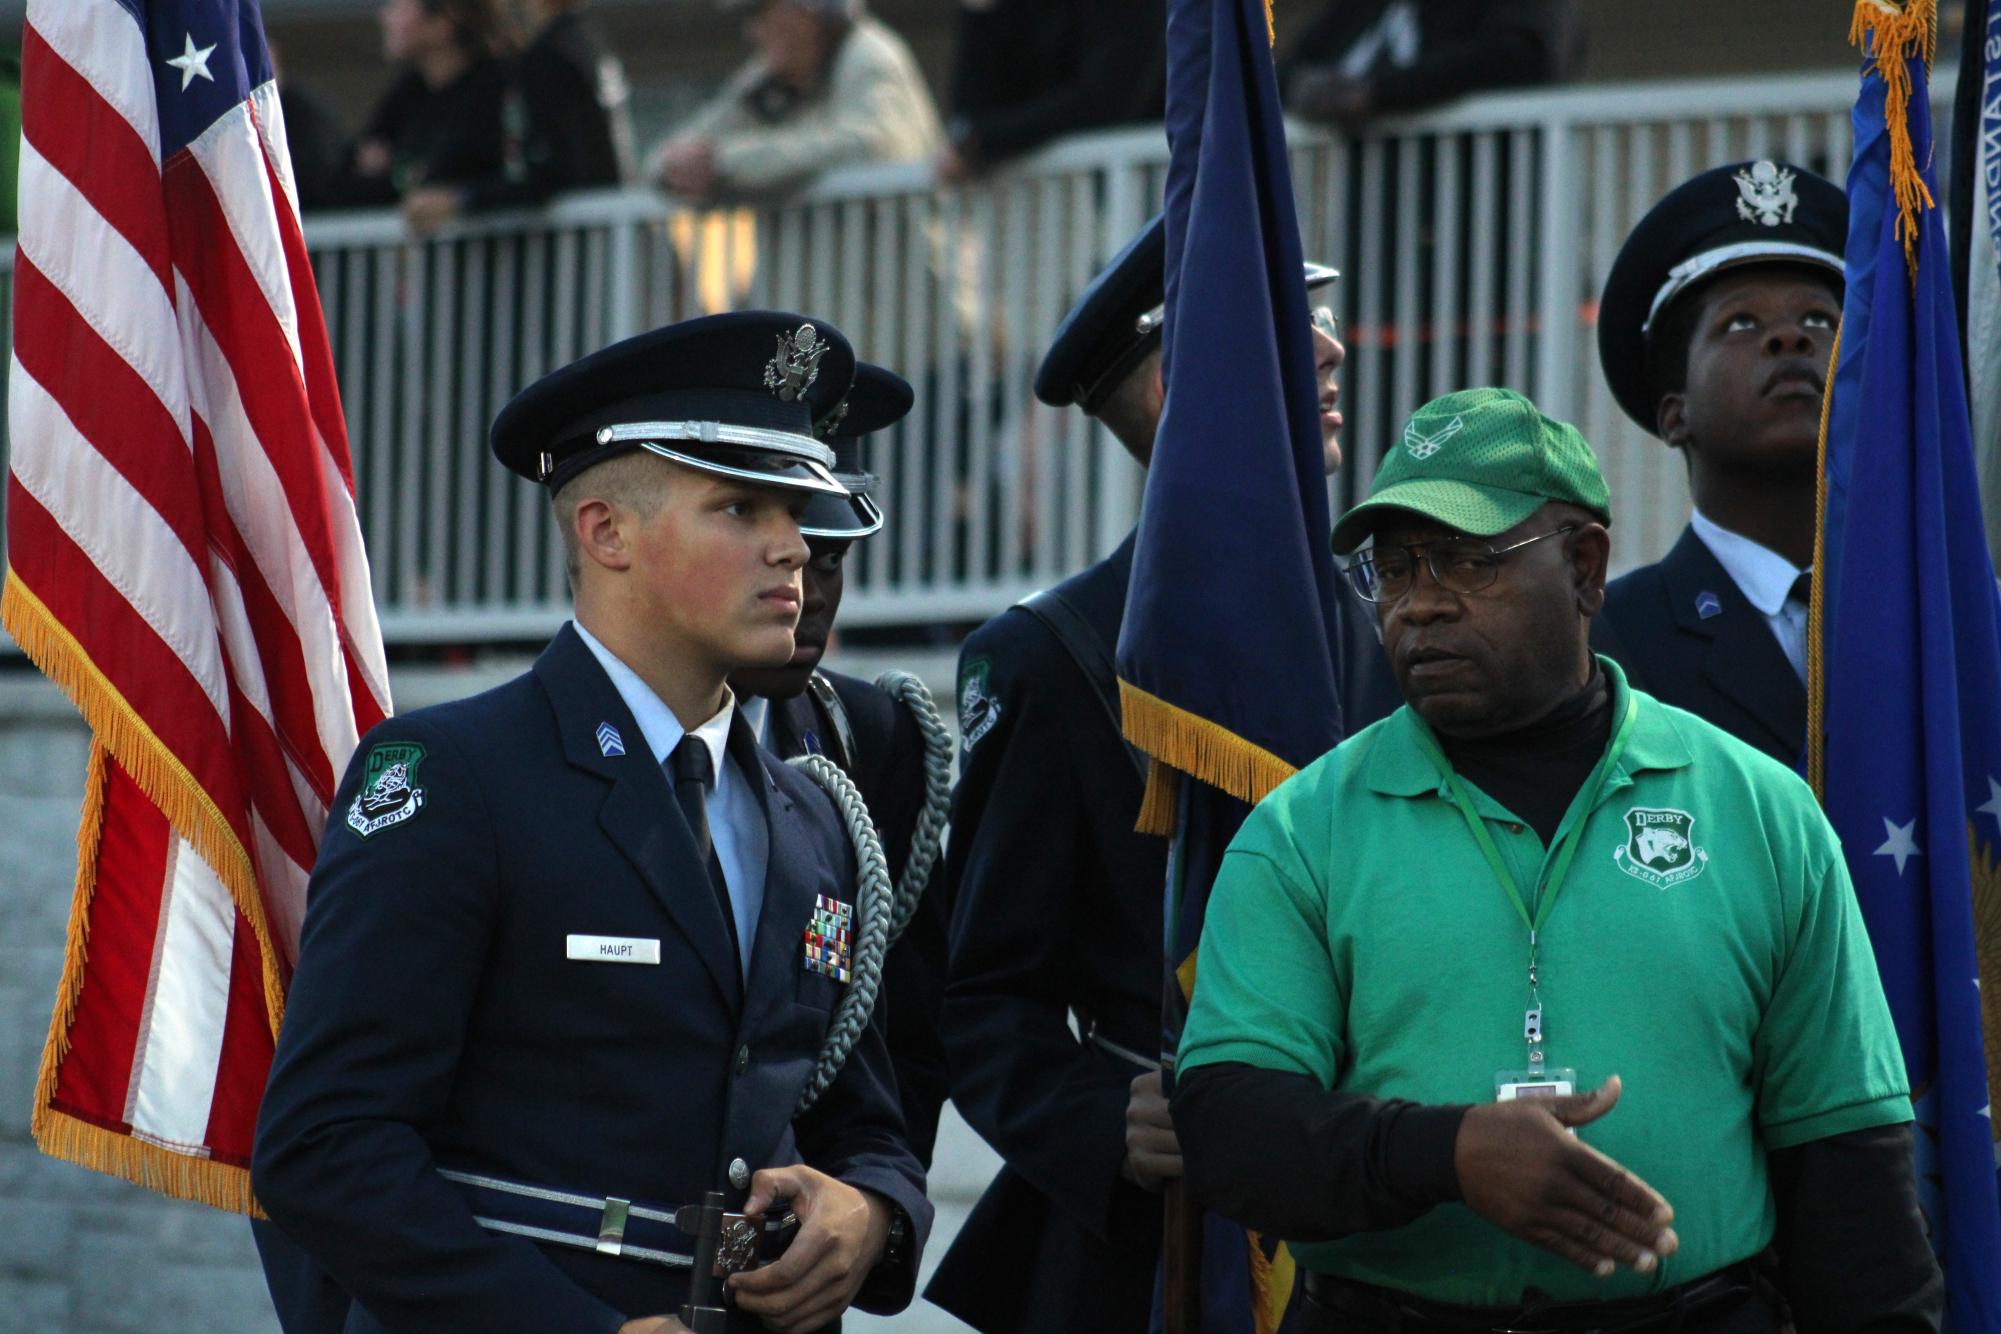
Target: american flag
(184, 560)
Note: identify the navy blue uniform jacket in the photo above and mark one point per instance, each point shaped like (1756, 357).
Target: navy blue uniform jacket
(1056, 912)
(1725, 667)
(888, 768)
(435, 1020)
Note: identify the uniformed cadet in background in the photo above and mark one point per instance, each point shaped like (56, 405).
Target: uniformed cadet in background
(1540, 1004)
(802, 708)
(1057, 902)
(573, 946)
(1715, 331)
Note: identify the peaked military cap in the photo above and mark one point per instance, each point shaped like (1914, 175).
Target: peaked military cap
(879, 399)
(736, 395)
(1746, 213)
(1117, 321)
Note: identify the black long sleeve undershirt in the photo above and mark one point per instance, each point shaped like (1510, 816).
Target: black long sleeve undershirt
(1327, 1165)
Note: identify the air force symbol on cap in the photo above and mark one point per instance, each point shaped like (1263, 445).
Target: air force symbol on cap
(797, 365)
(1422, 446)
(1765, 194)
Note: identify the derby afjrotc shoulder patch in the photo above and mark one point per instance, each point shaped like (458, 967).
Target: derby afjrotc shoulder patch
(389, 793)
(978, 709)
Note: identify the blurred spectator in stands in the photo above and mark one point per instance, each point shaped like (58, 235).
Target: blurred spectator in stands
(567, 121)
(1029, 71)
(441, 123)
(318, 143)
(1361, 59)
(828, 87)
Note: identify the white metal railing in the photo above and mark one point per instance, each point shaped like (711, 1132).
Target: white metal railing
(1474, 240)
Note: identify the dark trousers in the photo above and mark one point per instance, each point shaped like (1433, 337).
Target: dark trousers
(1726, 1302)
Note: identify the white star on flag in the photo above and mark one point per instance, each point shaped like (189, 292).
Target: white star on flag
(191, 62)
(1900, 844)
(1993, 804)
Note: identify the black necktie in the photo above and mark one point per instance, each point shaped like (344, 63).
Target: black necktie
(693, 770)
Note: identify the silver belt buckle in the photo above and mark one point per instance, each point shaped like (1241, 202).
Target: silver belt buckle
(611, 1225)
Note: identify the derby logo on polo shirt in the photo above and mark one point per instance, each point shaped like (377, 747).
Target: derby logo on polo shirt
(389, 793)
(1660, 847)
(1765, 194)
(1422, 446)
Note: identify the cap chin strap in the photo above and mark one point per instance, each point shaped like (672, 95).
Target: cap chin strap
(817, 478)
(1697, 267)
(720, 433)
(871, 516)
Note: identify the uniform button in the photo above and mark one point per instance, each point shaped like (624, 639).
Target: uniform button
(742, 1059)
(739, 1173)
(1514, 827)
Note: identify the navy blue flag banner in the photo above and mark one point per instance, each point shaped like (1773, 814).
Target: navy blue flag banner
(1905, 687)
(1226, 657)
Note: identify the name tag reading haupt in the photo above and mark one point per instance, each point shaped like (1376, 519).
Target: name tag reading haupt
(614, 949)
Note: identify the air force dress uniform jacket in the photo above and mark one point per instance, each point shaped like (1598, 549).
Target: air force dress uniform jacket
(1687, 635)
(1056, 910)
(887, 765)
(441, 1018)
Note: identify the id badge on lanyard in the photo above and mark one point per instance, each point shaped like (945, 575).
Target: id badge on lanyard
(1539, 1079)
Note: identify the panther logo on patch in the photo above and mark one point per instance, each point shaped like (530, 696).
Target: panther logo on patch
(1660, 847)
(978, 709)
(389, 793)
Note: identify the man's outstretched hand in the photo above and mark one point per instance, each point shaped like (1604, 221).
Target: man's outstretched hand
(1521, 1168)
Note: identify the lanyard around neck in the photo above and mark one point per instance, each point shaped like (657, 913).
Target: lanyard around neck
(1553, 884)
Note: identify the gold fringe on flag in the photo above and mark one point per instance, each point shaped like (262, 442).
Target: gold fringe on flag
(1158, 812)
(1206, 751)
(172, 1172)
(1816, 656)
(1271, 1285)
(1271, 25)
(116, 725)
(183, 1176)
(1892, 34)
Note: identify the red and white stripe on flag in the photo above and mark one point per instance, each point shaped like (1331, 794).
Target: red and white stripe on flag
(185, 561)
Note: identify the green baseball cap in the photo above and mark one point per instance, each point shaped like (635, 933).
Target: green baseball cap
(1480, 461)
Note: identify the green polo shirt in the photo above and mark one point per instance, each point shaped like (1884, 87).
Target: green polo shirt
(1718, 964)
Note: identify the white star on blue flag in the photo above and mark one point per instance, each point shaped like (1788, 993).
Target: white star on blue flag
(191, 62)
(1901, 844)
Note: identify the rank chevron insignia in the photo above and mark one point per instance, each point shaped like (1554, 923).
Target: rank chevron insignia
(609, 741)
(1422, 446)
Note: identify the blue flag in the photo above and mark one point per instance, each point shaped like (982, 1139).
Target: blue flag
(1228, 649)
(1910, 650)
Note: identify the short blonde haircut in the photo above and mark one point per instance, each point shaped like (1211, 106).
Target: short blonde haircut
(636, 481)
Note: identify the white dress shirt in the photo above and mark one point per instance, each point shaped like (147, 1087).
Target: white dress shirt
(736, 821)
(1766, 580)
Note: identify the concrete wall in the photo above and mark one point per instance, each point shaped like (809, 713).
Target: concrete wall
(86, 1253)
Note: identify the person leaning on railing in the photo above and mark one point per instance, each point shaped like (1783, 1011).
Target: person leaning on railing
(441, 122)
(1361, 59)
(829, 87)
(566, 118)
(1029, 71)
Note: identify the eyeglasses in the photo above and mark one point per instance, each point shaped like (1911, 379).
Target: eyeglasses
(1326, 321)
(1459, 565)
